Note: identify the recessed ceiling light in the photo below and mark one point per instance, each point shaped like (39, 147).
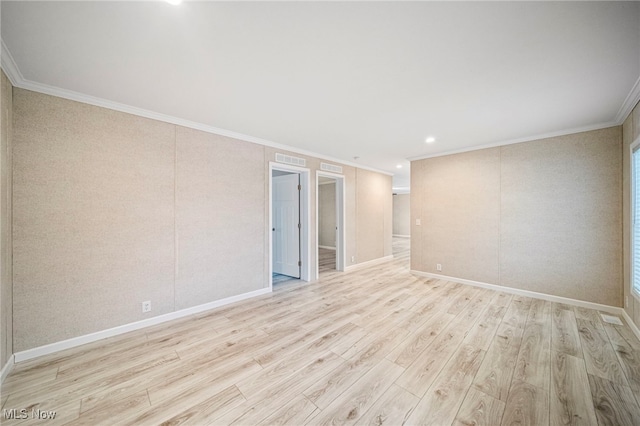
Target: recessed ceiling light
(174, 2)
(430, 139)
(399, 166)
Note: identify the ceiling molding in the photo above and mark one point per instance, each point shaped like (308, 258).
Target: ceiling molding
(17, 80)
(629, 103)
(519, 140)
(9, 66)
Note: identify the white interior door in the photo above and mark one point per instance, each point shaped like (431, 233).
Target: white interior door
(286, 224)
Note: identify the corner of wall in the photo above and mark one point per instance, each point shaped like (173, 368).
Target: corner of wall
(6, 242)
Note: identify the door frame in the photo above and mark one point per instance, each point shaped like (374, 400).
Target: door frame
(340, 220)
(305, 219)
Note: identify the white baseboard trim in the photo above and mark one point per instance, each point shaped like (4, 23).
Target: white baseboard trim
(99, 335)
(527, 293)
(368, 263)
(6, 369)
(327, 247)
(401, 236)
(631, 324)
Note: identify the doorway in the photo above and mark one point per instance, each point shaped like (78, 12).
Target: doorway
(330, 247)
(288, 223)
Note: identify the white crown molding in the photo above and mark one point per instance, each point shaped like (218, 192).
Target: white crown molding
(575, 130)
(92, 100)
(9, 65)
(629, 103)
(17, 80)
(115, 331)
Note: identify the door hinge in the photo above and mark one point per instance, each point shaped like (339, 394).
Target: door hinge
(299, 226)
(299, 187)
(299, 263)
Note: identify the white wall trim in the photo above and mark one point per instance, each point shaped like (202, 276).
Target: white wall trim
(630, 101)
(566, 132)
(368, 263)
(527, 293)
(326, 247)
(17, 80)
(6, 369)
(99, 335)
(631, 324)
(401, 190)
(9, 65)
(401, 236)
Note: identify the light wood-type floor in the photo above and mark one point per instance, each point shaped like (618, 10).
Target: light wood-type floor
(326, 260)
(376, 346)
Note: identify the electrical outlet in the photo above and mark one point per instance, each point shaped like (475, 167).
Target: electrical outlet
(418, 222)
(353, 259)
(438, 267)
(146, 306)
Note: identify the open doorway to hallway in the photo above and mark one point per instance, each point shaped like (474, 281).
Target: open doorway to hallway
(402, 225)
(330, 222)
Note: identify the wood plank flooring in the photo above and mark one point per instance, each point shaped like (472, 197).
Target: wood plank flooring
(374, 346)
(326, 259)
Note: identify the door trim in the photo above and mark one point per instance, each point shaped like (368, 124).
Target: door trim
(305, 219)
(340, 220)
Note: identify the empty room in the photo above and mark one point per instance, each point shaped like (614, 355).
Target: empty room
(320, 212)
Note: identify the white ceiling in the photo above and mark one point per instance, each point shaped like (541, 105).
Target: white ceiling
(343, 79)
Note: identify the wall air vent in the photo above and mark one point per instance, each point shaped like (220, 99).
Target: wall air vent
(330, 168)
(288, 159)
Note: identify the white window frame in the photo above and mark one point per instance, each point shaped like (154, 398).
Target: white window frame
(634, 147)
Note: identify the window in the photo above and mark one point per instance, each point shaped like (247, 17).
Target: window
(635, 217)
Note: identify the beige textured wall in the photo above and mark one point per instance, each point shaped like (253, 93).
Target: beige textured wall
(459, 209)
(373, 218)
(327, 215)
(562, 216)
(544, 216)
(112, 209)
(6, 274)
(401, 214)
(418, 189)
(93, 218)
(220, 217)
(351, 215)
(630, 132)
